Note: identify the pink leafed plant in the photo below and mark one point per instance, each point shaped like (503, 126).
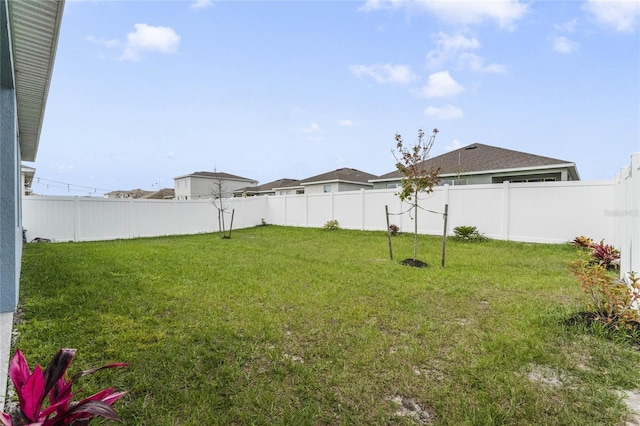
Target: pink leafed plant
(33, 387)
(605, 254)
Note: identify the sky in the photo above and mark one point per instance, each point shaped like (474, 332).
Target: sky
(146, 91)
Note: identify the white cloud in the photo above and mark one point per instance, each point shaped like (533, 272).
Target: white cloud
(455, 144)
(457, 47)
(448, 47)
(622, 15)
(170, 154)
(386, 73)
(201, 4)
(568, 27)
(476, 63)
(503, 12)
(106, 43)
(345, 123)
(440, 85)
(564, 45)
(150, 38)
(447, 112)
(313, 128)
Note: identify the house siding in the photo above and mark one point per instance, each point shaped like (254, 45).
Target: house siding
(202, 188)
(10, 198)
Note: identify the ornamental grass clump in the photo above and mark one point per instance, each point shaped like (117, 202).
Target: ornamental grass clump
(33, 387)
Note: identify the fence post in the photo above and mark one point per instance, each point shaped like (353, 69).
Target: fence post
(285, 208)
(306, 209)
(76, 217)
(362, 210)
(505, 210)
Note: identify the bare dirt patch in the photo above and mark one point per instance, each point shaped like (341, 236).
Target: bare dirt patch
(407, 407)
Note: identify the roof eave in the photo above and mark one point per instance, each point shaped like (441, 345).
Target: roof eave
(34, 51)
(320, 182)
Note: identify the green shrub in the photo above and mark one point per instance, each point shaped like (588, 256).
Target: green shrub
(609, 301)
(468, 233)
(331, 225)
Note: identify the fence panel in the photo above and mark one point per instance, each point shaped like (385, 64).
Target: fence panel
(559, 211)
(348, 209)
(544, 212)
(482, 207)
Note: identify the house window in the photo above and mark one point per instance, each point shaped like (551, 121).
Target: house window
(327, 188)
(393, 185)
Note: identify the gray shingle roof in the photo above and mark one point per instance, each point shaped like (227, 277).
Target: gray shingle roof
(344, 174)
(217, 175)
(480, 158)
(266, 187)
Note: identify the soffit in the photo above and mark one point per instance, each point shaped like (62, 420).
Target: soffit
(35, 26)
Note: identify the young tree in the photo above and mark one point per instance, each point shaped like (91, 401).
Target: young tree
(418, 177)
(219, 192)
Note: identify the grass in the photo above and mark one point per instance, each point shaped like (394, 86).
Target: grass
(291, 326)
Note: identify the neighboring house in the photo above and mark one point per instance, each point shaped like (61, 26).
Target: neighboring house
(134, 193)
(277, 187)
(205, 185)
(344, 179)
(28, 40)
(27, 173)
(163, 194)
(482, 164)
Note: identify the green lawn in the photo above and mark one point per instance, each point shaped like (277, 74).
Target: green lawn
(299, 326)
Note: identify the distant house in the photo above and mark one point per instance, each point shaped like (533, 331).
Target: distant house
(133, 193)
(277, 187)
(344, 179)
(482, 164)
(163, 194)
(205, 185)
(27, 173)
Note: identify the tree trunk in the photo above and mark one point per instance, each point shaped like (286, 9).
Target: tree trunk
(415, 227)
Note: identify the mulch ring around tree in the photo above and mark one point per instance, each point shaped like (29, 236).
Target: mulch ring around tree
(415, 263)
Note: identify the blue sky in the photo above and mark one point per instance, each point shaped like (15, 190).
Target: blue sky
(145, 91)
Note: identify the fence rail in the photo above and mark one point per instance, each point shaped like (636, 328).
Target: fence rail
(548, 212)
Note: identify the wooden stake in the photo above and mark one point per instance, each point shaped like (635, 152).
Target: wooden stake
(233, 212)
(386, 209)
(444, 234)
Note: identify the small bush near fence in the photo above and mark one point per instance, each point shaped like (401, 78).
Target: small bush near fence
(468, 233)
(331, 225)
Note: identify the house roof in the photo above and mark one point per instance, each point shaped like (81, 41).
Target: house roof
(163, 194)
(479, 158)
(269, 187)
(34, 27)
(340, 175)
(128, 193)
(217, 175)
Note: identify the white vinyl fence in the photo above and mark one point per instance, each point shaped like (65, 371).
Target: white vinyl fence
(548, 212)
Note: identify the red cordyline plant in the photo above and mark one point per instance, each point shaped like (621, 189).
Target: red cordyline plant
(605, 254)
(33, 387)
